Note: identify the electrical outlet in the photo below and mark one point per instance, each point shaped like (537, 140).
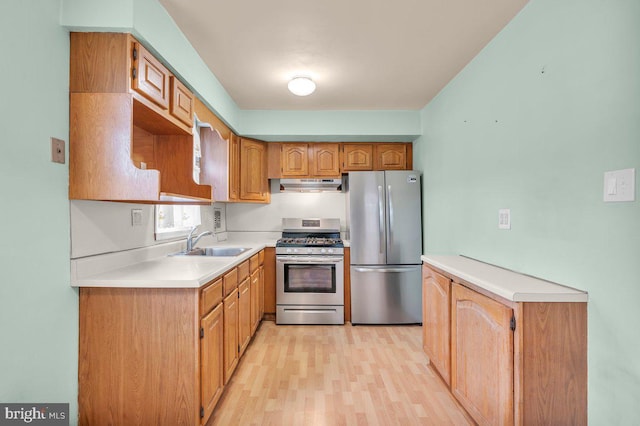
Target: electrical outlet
(504, 218)
(57, 150)
(136, 217)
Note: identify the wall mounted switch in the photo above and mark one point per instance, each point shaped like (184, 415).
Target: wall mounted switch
(136, 217)
(57, 150)
(620, 185)
(504, 218)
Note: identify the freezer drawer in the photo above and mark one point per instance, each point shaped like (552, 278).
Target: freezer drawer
(389, 294)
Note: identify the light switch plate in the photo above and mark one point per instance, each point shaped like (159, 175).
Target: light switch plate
(619, 185)
(57, 150)
(136, 217)
(504, 218)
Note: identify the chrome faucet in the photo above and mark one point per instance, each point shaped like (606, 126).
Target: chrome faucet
(191, 242)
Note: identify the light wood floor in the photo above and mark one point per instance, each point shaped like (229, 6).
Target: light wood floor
(335, 375)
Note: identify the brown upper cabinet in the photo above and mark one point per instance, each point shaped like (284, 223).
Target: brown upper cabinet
(357, 156)
(254, 185)
(376, 156)
(130, 125)
(330, 160)
(235, 167)
(149, 77)
(325, 159)
(392, 156)
(299, 160)
(294, 160)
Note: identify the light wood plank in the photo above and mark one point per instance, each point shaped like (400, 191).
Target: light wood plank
(336, 376)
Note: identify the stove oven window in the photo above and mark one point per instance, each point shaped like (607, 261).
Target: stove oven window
(310, 278)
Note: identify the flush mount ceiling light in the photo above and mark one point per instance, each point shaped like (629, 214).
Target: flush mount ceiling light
(301, 86)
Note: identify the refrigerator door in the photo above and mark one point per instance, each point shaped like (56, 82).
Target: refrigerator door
(404, 221)
(389, 294)
(367, 218)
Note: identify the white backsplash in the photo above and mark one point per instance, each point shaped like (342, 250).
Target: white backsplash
(99, 227)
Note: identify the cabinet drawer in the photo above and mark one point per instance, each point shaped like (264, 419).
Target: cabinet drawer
(254, 262)
(243, 271)
(150, 77)
(181, 105)
(210, 296)
(230, 281)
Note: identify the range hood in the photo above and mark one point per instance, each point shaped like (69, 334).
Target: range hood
(310, 185)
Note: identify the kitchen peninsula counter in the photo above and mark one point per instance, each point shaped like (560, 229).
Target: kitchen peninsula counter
(510, 285)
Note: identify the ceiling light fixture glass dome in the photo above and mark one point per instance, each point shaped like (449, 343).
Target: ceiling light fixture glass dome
(301, 86)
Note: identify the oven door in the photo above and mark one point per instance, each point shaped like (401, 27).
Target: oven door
(310, 280)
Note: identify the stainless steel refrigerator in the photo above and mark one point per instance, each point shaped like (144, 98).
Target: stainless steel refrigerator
(385, 233)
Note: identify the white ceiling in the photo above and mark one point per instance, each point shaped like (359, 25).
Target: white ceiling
(363, 54)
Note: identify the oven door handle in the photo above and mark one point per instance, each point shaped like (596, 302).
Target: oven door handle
(302, 259)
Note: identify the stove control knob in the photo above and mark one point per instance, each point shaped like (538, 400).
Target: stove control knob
(288, 250)
(309, 250)
(330, 250)
(323, 250)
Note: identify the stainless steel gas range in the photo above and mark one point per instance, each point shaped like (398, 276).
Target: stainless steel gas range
(310, 272)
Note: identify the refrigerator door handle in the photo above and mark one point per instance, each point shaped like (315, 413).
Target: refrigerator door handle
(391, 221)
(381, 219)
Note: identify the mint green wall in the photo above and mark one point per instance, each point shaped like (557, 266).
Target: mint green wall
(392, 126)
(532, 124)
(38, 308)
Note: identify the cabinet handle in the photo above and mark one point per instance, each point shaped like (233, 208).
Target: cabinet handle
(135, 54)
(134, 73)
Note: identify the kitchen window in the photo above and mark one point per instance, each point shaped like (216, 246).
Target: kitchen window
(175, 221)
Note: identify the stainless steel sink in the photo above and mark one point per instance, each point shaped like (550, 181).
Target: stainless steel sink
(214, 251)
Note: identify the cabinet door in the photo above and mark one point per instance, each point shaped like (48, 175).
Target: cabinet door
(253, 171)
(436, 316)
(294, 160)
(234, 168)
(244, 314)
(255, 300)
(181, 105)
(390, 156)
(482, 356)
(211, 359)
(150, 77)
(325, 159)
(357, 156)
(230, 334)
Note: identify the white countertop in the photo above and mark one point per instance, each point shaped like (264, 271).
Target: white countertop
(503, 282)
(151, 267)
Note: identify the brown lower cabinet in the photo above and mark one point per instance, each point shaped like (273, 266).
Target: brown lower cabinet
(507, 363)
(163, 355)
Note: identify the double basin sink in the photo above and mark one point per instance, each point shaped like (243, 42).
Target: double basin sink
(214, 251)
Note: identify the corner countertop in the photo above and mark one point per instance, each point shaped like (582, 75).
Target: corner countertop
(505, 283)
(152, 267)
